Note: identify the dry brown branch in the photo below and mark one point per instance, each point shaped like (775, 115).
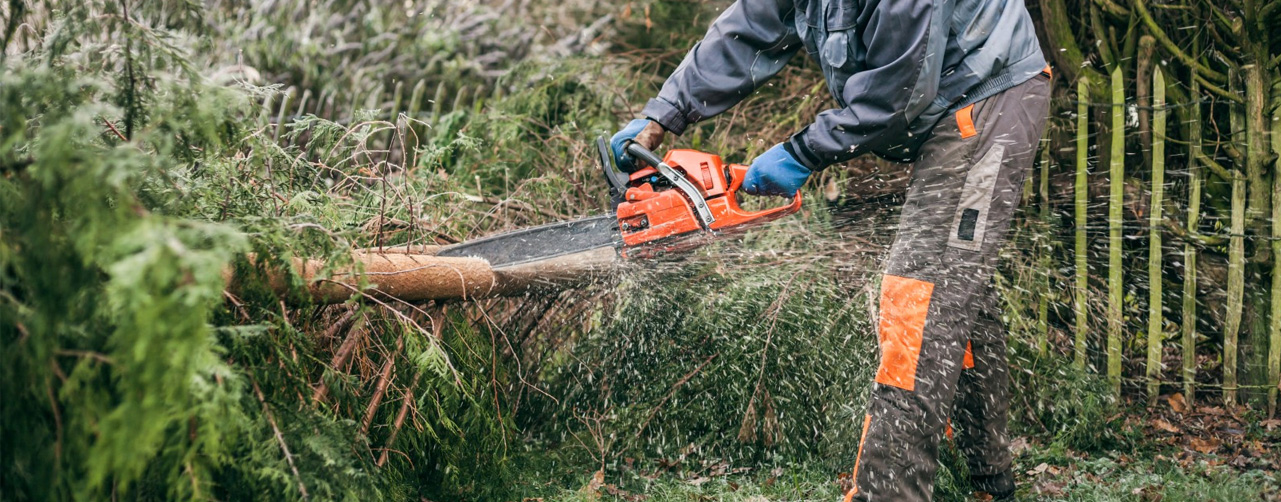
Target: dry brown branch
(384, 379)
(406, 400)
(671, 392)
(344, 351)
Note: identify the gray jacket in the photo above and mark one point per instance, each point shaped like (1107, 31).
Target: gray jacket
(894, 66)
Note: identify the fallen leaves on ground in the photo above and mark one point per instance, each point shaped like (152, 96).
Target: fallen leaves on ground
(1163, 425)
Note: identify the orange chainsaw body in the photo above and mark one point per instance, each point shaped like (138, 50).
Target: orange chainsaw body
(651, 211)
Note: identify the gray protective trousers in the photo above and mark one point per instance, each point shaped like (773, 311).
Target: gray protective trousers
(942, 344)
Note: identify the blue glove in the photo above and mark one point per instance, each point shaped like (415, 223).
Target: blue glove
(775, 172)
(618, 144)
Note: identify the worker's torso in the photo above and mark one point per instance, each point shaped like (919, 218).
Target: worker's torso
(991, 46)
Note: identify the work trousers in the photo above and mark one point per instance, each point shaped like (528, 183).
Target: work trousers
(941, 340)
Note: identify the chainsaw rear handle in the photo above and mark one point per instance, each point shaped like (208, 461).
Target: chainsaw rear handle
(737, 173)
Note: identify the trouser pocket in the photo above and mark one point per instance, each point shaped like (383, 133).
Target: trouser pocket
(969, 224)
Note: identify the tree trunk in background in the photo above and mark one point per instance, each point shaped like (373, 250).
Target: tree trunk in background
(1255, 342)
(1116, 182)
(1143, 88)
(1065, 54)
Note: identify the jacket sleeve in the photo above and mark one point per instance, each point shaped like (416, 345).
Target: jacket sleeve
(749, 43)
(904, 41)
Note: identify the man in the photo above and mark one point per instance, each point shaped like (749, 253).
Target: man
(961, 89)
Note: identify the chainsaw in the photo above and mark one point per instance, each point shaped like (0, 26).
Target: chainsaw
(655, 209)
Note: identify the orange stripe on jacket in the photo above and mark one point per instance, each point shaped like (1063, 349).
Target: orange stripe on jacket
(904, 305)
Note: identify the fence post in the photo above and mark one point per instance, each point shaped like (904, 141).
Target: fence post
(396, 96)
(438, 104)
(1236, 263)
(1236, 288)
(1156, 321)
(1116, 199)
(412, 124)
(460, 98)
(1274, 344)
(1044, 248)
(1082, 196)
(1190, 250)
(302, 103)
(416, 98)
(285, 100)
(319, 110)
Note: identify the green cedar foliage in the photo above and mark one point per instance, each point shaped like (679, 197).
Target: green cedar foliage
(110, 369)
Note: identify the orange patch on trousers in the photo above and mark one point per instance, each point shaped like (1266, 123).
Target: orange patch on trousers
(965, 121)
(904, 305)
(867, 420)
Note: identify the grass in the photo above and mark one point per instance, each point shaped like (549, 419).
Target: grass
(1042, 476)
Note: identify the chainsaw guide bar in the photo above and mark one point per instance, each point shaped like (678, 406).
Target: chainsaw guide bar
(657, 209)
(541, 242)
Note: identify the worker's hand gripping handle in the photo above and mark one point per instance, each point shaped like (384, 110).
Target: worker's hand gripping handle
(737, 173)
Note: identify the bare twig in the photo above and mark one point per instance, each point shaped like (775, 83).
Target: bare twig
(280, 438)
(671, 392)
(405, 402)
(113, 129)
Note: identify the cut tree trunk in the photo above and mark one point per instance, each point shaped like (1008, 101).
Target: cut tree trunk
(413, 277)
